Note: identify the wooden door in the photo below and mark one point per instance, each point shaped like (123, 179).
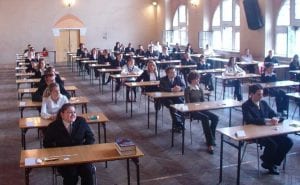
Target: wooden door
(68, 40)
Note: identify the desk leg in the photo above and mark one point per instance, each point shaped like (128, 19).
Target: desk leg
(99, 83)
(216, 88)
(148, 111)
(27, 172)
(288, 107)
(137, 165)
(21, 109)
(128, 172)
(183, 131)
(172, 139)
(99, 133)
(239, 163)
(23, 138)
(156, 113)
(112, 90)
(104, 130)
(221, 159)
(229, 117)
(131, 92)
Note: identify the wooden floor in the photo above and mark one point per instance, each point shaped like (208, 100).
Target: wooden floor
(161, 165)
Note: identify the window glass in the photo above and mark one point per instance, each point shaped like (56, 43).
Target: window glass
(281, 44)
(297, 9)
(182, 14)
(227, 38)
(237, 15)
(175, 19)
(216, 19)
(227, 10)
(284, 14)
(237, 41)
(216, 39)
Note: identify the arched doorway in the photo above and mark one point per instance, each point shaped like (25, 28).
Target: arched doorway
(68, 32)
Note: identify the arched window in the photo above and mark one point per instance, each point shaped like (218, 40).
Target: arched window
(287, 29)
(180, 23)
(226, 26)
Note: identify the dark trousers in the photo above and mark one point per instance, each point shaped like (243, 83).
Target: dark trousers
(206, 79)
(177, 117)
(276, 148)
(237, 89)
(70, 174)
(209, 129)
(281, 99)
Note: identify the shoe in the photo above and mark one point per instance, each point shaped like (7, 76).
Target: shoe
(272, 169)
(210, 150)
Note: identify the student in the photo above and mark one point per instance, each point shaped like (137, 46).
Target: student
(149, 74)
(206, 78)
(194, 93)
(129, 69)
(49, 78)
(53, 103)
(294, 65)
(70, 130)
(45, 52)
(104, 58)
(270, 58)
(257, 111)
(41, 68)
(281, 98)
(173, 83)
(176, 52)
(115, 64)
(80, 51)
(140, 51)
(186, 60)
(247, 57)
(129, 49)
(189, 49)
(164, 55)
(232, 69)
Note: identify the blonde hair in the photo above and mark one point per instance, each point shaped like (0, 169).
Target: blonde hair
(155, 68)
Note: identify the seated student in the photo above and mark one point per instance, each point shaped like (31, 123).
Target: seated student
(70, 130)
(51, 104)
(189, 49)
(104, 58)
(232, 69)
(294, 65)
(46, 80)
(117, 47)
(206, 78)
(115, 64)
(257, 111)
(186, 60)
(80, 51)
(151, 53)
(164, 55)
(194, 93)
(129, 68)
(208, 51)
(281, 98)
(270, 58)
(45, 52)
(173, 83)
(129, 49)
(247, 57)
(176, 52)
(41, 68)
(140, 51)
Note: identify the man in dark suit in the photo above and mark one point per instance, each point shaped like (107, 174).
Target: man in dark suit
(270, 58)
(258, 112)
(70, 130)
(173, 83)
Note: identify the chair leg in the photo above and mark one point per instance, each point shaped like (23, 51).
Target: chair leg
(257, 152)
(191, 130)
(244, 151)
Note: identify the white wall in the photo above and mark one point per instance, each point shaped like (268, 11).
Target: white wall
(23, 22)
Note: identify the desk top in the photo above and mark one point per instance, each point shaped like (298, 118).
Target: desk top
(295, 71)
(99, 65)
(108, 70)
(184, 66)
(32, 90)
(89, 61)
(283, 83)
(225, 60)
(33, 80)
(218, 70)
(248, 75)
(164, 94)
(294, 95)
(259, 131)
(124, 75)
(248, 63)
(73, 155)
(209, 105)
(73, 100)
(39, 122)
(168, 61)
(142, 84)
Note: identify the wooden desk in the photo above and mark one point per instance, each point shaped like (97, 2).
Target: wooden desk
(214, 60)
(252, 132)
(160, 95)
(296, 96)
(236, 77)
(81, 100)
(138, 84)
(77, 155)
(18, 69)
(38, 122)
(119, 76)
(106, 70)
(70, 88)
(218, 70)
(284, 83)
(31, 81)
(82, 64)
(96, 66)
(201, 106)
(24, 75)
(166, 62)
